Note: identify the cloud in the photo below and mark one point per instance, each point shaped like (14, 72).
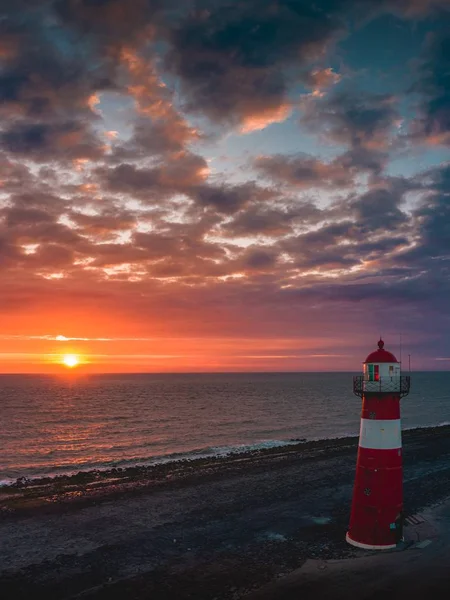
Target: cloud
(263, 119)
(417, 8)
(20, 216)
(303, 171)
(228, 199)
(272, 221)
(379, 209)
(153, 139)
(112, 22)
(356, 119)
(177, 175)
(43, 143)
(361, 159)
(159, 127)
(321, 79)
(233, 60)
(431, 222)
(105, 223)
(48, 75)
(433, 123)
(258, 259)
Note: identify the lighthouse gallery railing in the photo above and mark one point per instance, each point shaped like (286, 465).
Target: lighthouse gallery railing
(399, 385)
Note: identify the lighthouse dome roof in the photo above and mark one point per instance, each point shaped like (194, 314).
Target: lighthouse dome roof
(381, 355)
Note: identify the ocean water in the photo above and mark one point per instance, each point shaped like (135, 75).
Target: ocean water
(52, 425)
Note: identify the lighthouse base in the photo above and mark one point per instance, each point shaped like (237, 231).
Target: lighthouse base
(367, 546)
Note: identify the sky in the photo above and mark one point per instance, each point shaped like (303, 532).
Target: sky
(218, 185)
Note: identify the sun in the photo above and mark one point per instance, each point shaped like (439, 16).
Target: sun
(71, 360)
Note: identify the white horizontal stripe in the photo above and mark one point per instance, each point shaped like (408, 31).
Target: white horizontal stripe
(368, 546)
(380, 435)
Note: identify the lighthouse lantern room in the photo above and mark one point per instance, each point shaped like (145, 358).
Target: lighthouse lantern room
(377, 506)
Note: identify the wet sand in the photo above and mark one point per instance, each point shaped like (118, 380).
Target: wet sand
(223, 528)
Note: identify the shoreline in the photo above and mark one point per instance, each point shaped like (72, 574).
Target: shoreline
(198, 456)
(206, 529)
(49, 494)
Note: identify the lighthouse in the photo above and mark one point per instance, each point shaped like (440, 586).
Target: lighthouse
(377, 506)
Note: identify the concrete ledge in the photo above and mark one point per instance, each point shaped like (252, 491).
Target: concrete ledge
(368, 546)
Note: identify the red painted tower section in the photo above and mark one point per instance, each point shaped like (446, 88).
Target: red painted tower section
(377, 507)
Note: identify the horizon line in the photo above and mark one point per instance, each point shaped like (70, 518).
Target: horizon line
(78, 370)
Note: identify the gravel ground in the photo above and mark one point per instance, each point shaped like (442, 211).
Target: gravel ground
(210, 529)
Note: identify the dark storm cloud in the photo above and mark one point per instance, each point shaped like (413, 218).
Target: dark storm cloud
(171, 244)
(228, 199)
(366, 228)
(237, 60)
(23, 224)
(431, 221)
(413, 8)
(232, 57)
(318, 250)
(258, 259)
(436, 179)
(362, 159)
(20, 216)
(303, 171)
(357, 119)
(48, 70)
(433, 123)
(321, 248)
(45, 233)
(432, 240)
(379, 209)
(46, 142)
(109, 221)
(31, 197)
(405, 292)
(9, 253)
(48, 80)
(420, 267)
(127, 178)
(272, 221)
(166, 178)
(153, 138)
(225, 199)
(51, 256)
(15, 176)
(113, 21)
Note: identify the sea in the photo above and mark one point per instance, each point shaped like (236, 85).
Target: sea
(54, 425)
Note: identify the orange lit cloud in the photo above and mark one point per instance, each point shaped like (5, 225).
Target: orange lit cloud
(265, 118)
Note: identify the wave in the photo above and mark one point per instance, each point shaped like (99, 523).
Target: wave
(413, 427)
(213, 452)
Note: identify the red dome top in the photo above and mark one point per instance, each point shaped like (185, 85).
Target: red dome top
(381, 355)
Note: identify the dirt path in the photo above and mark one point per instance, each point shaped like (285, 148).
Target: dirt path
(220, 533)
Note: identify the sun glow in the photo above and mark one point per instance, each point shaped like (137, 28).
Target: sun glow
(70, 360)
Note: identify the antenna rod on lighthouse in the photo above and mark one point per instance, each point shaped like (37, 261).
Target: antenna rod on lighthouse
(409, 362)
(400, 349)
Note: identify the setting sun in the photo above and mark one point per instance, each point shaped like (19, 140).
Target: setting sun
(70, 360)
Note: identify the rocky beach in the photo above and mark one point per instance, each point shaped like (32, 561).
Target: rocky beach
(258, 524)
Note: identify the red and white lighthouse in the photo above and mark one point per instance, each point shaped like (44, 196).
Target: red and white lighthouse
(377, 507)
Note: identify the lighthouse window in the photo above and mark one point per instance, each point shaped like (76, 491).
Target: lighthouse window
(374, 372)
